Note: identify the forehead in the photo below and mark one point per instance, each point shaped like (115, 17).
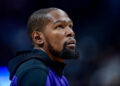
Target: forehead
(58, 15)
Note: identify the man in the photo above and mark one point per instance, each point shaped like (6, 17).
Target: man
(51, 34)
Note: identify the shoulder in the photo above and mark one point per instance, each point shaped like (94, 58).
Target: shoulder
(34, 77)
(32, 73)
(32, 64)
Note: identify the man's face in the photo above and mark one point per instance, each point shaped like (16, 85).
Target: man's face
(59, 34)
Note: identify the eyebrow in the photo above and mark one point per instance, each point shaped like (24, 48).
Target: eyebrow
(69, 21)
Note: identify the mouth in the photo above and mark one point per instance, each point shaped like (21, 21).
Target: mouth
(71, 44)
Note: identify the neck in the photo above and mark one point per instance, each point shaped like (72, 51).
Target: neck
(52, 57)
(38, 48)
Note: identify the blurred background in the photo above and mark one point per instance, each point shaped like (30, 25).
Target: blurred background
(96, 24)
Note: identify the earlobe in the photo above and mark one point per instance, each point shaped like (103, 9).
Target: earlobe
(37, 38)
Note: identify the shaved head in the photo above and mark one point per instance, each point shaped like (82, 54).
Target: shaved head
(38, 20)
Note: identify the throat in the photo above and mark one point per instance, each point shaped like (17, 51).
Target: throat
(56, 59)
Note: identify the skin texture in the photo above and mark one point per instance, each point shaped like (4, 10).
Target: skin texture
(57, 32)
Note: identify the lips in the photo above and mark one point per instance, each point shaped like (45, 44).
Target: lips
(71, 44)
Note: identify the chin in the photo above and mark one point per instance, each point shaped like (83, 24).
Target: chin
(69, 53)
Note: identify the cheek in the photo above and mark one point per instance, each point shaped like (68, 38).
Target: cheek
(57, 41)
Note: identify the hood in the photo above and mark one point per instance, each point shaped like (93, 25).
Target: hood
(20, 58)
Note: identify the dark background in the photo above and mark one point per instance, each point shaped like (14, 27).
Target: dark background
(96, 24)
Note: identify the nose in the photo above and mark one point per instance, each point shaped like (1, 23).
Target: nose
(69, 32)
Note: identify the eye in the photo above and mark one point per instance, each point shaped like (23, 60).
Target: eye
(71, 26)
(59, 27)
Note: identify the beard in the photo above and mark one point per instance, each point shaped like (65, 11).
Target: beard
(64, 53)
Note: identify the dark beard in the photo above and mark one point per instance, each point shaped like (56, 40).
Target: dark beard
(65, 53)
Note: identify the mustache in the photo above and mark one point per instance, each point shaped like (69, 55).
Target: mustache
(70, 40)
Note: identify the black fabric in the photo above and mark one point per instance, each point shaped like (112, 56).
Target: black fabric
(34, 77)
(32, 73)
(39, 55)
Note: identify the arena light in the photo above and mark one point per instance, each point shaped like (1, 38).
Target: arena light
(4, 77)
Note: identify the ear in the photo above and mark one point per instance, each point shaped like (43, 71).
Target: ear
(38, 38)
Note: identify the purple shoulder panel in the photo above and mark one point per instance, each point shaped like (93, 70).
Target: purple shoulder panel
(54, 80)
(14, 81)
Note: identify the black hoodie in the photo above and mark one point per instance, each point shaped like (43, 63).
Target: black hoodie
(34, 68)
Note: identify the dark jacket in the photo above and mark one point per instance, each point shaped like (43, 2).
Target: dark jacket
(34, 68)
